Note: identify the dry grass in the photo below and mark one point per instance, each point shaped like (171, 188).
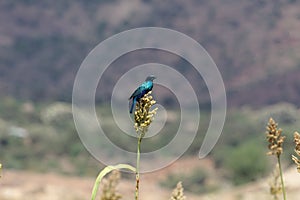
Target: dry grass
(297, 150)
(275, 184)
(109, 191)
(177, 193)
(276, 140)
(143, 117)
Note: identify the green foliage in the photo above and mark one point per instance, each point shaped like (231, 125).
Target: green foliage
(51, 142)
(8, 107)
(28, 141)
(246, 162)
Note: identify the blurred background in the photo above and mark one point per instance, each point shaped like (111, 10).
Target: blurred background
(255, 45)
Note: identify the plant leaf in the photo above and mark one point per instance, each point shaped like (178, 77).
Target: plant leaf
(105, 171)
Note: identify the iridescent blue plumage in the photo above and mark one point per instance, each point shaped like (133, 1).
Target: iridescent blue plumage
(143, 89)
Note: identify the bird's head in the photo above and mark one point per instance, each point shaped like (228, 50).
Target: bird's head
(150, 78)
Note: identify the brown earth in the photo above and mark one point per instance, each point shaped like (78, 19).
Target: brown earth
(16, 185)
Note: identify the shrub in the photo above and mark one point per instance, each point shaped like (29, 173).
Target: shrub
(247, 162)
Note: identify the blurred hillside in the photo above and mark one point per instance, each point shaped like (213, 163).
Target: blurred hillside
(255, 44)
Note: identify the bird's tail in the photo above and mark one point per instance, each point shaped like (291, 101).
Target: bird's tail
(132, 105)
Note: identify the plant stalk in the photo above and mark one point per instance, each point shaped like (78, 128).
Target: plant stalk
(137, 174)
(281, 178)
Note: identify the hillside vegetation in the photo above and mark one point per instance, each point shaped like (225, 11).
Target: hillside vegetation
(42, 137)
(254, 43)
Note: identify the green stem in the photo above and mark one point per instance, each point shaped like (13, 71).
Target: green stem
(281, 177)
(137, 174)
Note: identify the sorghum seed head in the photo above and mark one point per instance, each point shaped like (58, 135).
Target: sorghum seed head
(274, 138)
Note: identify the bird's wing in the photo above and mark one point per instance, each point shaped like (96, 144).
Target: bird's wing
(136, 92)
(147, 85)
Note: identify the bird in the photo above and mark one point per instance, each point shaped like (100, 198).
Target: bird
(143, 89)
